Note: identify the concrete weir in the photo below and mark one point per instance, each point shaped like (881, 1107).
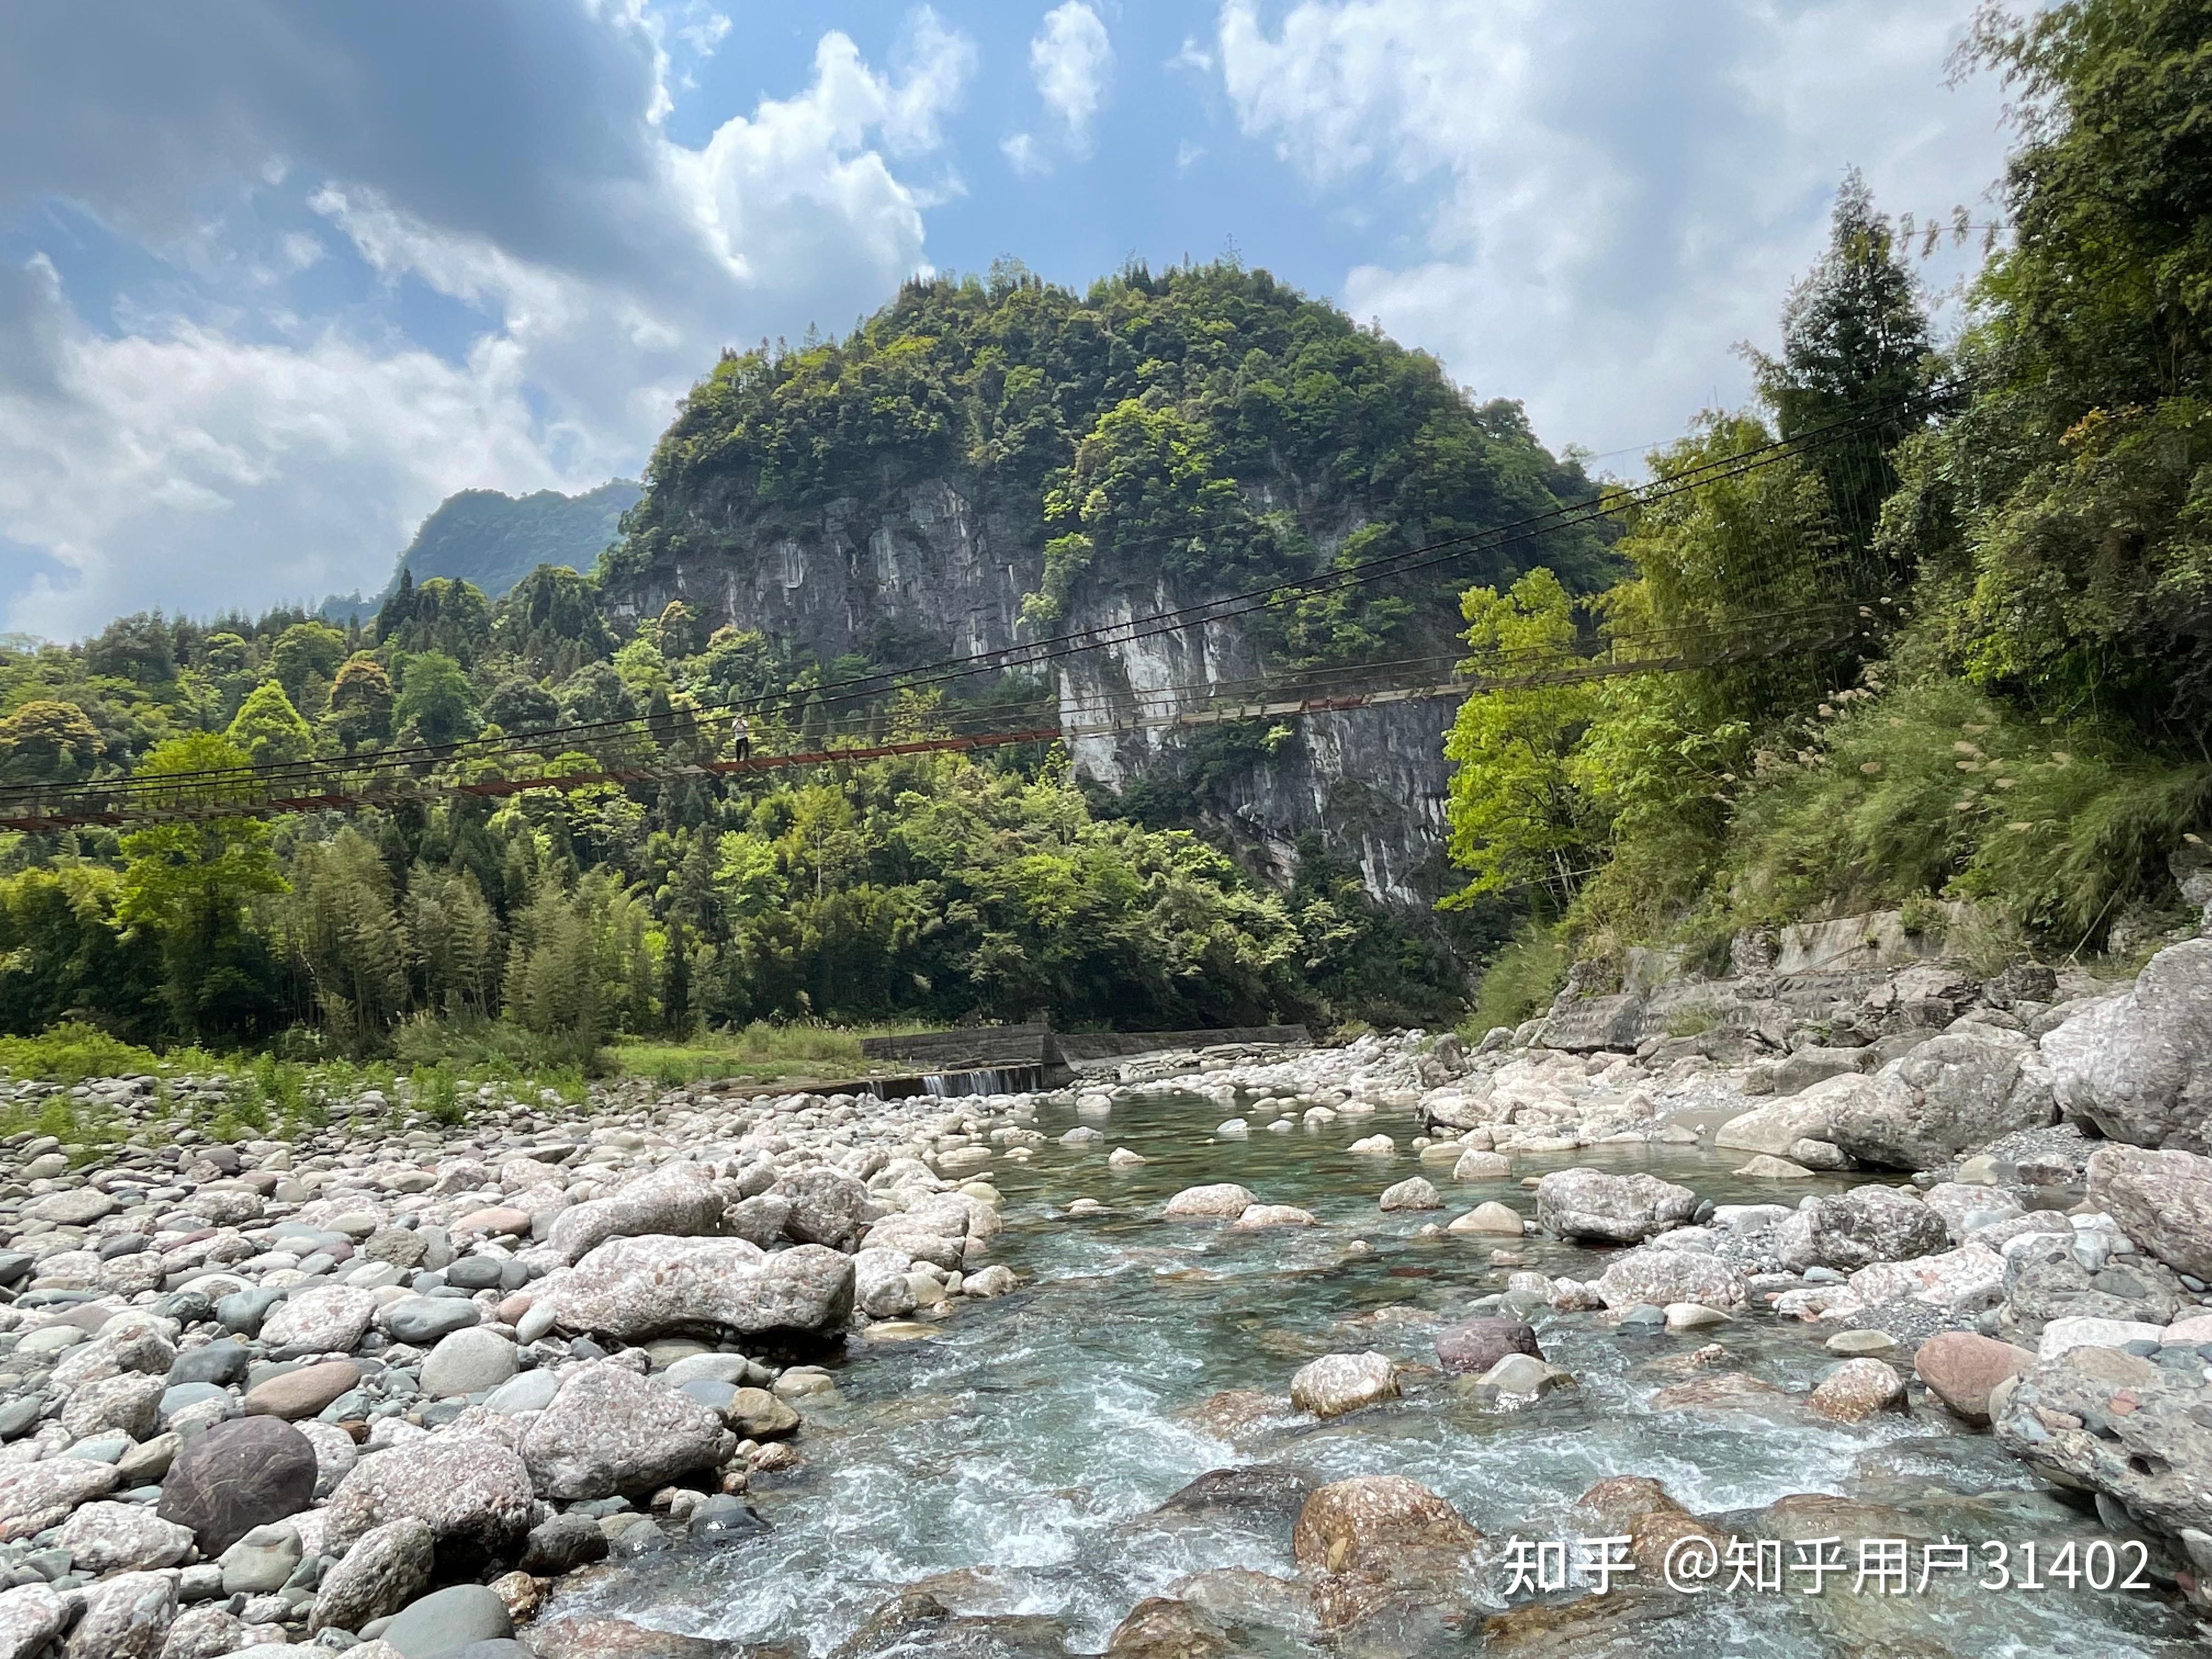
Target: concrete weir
(996, 1059)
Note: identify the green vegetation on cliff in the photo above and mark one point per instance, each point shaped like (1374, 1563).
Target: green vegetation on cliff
(1207, 424)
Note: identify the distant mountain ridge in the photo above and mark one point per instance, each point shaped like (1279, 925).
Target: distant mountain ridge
(494, 540)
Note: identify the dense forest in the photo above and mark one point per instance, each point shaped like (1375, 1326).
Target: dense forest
(2019, 723)
(1156, 410)
(2028, 730)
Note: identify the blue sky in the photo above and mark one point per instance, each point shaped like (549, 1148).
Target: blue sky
(276, 278)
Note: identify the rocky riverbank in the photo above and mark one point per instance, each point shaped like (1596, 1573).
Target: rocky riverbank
(399, 1388)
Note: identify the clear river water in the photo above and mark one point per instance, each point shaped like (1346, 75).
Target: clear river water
(1025, 1446)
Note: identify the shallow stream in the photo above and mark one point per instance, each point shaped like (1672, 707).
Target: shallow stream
(1025, 1446)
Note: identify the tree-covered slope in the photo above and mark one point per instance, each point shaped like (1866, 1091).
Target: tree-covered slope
(492, 540)
(1204, 429)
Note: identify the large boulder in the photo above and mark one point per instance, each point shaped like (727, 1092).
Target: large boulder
(1382, 1524)
(235, 1476)
(1663, 1277)
(1223, 1201)
(2104, 1421)
(34, 1496)
(828, 1206)
(2138, 1065)
(2046, 1278)
(1777, 1127)
(471, 1493)
(125, 1617)
(1476, 1345)
(1854, 1229)
(635, 1289)
(387, 1567)
(1963, 1089)
(31, 1615)
(610, 1430)
(1965, 1280)
(1614, 1209)
(1339, 1382)
(678, 1200)
(2162, 1201)
(105, 1537)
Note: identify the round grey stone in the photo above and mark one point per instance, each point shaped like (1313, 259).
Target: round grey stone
(445, 1621)
(468, 1362)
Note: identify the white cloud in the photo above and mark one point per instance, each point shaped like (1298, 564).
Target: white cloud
(1024, 155)
(1071, 59)
(217, 452)
(1594, 203)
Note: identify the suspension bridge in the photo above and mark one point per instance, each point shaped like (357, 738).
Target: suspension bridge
(614, 752)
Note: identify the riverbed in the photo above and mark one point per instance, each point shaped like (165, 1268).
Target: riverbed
(1013, 1459)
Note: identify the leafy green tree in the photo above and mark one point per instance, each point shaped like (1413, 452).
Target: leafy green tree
(186, 885)
(2065, 513)
(269, 731)
(519, 703)
(360, 705)
(305, 659)
(62, 954)
(45, 740)
(436, 704)
(1516, 814)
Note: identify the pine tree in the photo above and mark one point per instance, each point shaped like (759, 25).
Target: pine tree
(1854, 338)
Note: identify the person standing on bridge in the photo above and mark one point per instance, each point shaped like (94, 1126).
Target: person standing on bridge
(741, 739)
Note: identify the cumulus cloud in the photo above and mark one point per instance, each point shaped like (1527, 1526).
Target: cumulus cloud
(1586, 206)
(1071, 59)
(201, 444)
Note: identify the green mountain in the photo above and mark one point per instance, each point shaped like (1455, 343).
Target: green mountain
(493, 540)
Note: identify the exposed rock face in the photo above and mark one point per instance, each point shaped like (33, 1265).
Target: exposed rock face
(2138, 1065)
(2162, 1201)
(938, 560)
(2112, 1422)
(1960, 1089)
(1611, 1208)
(636, 1289)
(610, 1430)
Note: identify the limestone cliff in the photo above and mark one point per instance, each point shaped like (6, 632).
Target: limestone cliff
(980, 467)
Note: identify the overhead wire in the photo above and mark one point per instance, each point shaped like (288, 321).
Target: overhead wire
(878, 683)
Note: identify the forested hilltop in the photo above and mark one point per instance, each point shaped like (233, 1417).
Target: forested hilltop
(2027, 730)
(1207, 426)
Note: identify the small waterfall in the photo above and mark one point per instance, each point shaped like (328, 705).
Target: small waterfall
(991, 1080)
